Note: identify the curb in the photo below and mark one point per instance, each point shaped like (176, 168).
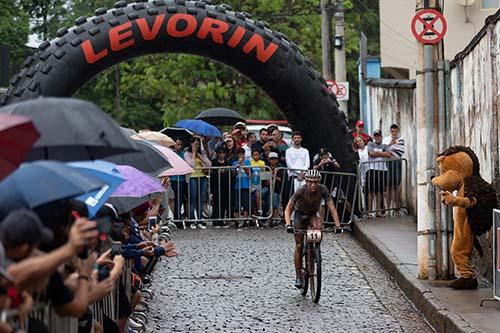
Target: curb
(436, 313)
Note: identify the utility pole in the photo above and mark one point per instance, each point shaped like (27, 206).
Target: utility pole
(326, 39)
(427, 115)
(340, 63)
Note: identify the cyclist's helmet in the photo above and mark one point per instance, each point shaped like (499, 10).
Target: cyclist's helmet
(313, 175)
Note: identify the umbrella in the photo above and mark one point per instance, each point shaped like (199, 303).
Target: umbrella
(41, 182)
(178, 133)
(137, 189)
(157, 137)
(220, 116)
(17, 136)
(109, 175)
(179, 166)
(128, 131)
(149, 159)
(199, 127)
(71, 130)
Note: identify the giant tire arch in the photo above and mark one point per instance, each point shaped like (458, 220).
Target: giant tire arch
(271, 61)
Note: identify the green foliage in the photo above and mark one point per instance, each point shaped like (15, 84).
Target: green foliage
(158, 90)
(14, 28)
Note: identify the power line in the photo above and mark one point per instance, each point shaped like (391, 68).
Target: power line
(387, 25)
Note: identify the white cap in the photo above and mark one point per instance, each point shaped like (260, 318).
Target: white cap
(273, 155)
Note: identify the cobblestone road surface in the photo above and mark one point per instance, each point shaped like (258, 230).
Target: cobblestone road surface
(241, 281)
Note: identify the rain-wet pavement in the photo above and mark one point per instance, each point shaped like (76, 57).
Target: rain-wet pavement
(241, 281)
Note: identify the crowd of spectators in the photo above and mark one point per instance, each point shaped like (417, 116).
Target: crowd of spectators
(240, 178)
(380, 170)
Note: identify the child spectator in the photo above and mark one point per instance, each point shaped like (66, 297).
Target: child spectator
(258, 165)
(242, 186)
(219, 180)
(273, 188)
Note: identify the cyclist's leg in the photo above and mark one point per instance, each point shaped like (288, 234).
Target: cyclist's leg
(299, 224)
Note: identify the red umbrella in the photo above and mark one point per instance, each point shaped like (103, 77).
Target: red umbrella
(17, 136)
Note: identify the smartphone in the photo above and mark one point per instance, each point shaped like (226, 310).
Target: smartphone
(153, 220)
(116, 248)
(103, 225)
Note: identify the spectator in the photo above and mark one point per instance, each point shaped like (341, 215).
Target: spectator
(231, 150)
(377, 173)
(360, 125)
(324, 162)
(271, 128)
(242, 186)
(297, 160)
(258, 166)
(396, 146)
(179, 186)
(239, 133)
(277, 144)
(263, 139)
(251, 140)
(199, 161)
(219, 186)
(273, 187)
(362, 151)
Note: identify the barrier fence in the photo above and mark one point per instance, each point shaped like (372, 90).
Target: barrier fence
(383, 187)
(231, 194)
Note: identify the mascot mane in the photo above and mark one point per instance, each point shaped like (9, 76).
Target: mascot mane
(456, 149)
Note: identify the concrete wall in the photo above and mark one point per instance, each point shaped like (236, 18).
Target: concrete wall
(396, 105)
(397, 44)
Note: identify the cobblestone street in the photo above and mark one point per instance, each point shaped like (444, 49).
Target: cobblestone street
(241, 281)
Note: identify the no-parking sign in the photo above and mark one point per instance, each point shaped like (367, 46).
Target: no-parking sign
(429, 26)
(339, 89)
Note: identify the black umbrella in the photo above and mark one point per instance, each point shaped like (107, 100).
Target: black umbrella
(178, 133)
(125, 204)
(149, 159)
(71, 130)
(220, 116)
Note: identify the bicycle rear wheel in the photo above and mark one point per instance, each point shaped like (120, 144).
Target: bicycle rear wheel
(305, 273)
(314, 274)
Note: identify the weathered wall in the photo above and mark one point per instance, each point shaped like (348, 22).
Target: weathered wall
(394, 103)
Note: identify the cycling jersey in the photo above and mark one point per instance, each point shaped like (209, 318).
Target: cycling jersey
(309, 203)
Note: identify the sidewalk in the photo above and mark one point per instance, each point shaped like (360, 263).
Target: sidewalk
(393, 242)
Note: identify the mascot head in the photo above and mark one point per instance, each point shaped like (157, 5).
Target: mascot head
(455, 164)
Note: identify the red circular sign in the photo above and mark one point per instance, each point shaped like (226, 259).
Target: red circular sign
(334, 88)
(428, 26)
(341, 91)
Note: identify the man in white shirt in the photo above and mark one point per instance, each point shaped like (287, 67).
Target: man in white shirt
(396, 146)
(376, 177)
(297, 158)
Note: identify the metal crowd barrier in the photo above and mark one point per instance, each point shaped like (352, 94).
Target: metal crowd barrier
(383, 187)
(219, 195)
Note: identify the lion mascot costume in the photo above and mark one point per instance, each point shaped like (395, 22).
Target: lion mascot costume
(472, 205)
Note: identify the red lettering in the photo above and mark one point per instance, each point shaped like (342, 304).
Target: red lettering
(191, 25)
(263, 53)
(214, 27)
(89, 53)
(146, 32)
(118, 34)
(238, 35)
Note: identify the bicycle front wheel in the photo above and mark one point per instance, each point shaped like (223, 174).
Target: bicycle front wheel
(314, 273)
(305, 270)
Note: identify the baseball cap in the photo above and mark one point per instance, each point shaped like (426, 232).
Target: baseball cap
(239, 124)
(273, 155)
(272, 126)
(25, 227)
(360, 123)
(377, 132)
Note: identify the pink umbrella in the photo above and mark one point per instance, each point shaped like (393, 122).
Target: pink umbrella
(179, 166)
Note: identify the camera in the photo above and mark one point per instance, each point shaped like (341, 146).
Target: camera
(153, 220)
(103, 273)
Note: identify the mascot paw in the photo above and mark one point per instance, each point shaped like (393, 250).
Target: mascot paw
(447, 198)
(463, 283)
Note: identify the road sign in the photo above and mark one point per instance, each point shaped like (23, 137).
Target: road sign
(339, 89)
(428, 26)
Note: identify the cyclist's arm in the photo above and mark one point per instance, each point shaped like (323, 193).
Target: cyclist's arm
(333, 212)
(288, 212)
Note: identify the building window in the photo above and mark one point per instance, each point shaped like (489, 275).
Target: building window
(490, 4)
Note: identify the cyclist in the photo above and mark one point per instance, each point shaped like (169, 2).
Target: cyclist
(306, 203)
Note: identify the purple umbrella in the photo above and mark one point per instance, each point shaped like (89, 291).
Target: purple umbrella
(135, 190)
